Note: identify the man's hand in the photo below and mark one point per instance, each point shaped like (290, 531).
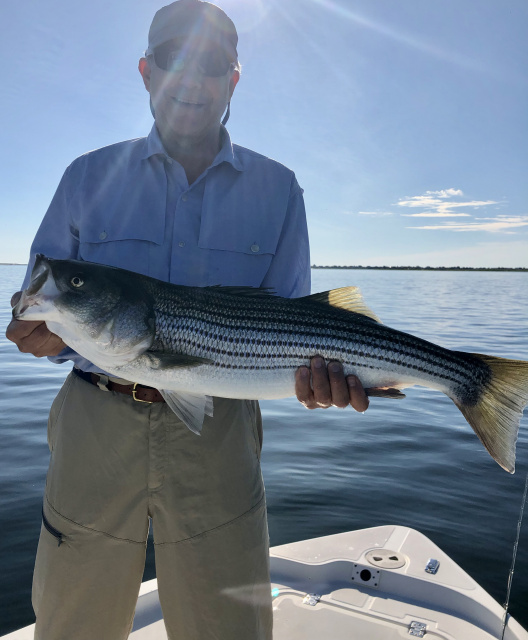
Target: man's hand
(33, 337)
(329, 386)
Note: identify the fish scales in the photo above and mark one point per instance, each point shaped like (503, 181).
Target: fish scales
(238, 332)
(193, 343)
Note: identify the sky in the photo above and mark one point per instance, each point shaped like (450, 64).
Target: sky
(405, 121)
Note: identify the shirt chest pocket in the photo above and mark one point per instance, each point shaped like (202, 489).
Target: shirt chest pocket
(243, 214)
(251, 242)
(241, 240)
(122, 241)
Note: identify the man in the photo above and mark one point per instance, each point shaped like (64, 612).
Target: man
(186, 206)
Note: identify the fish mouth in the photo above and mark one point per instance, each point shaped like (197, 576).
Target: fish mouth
(22, 306)
(41, 290)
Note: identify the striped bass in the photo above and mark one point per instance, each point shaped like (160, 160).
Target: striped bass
(193, 343)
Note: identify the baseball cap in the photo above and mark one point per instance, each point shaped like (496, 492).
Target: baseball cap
(188, 17)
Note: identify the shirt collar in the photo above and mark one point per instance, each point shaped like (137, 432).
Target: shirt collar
(154, 146)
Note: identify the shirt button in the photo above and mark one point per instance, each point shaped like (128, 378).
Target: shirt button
(102, 235)
(181, 244)
(184, 197)
(255, 248)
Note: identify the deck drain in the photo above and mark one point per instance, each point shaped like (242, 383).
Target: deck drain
(386, 559)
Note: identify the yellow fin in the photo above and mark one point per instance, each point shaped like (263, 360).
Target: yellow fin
(496, 416)
(348, 298)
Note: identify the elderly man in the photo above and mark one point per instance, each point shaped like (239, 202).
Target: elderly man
(187, 206)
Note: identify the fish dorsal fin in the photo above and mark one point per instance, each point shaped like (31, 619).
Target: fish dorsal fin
(248, 292)
(348, 298)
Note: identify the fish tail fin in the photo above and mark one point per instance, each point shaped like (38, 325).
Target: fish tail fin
(496, 415)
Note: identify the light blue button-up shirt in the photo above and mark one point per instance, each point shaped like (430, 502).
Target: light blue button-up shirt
(129, 205)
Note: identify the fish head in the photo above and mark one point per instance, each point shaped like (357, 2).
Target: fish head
(94, 308)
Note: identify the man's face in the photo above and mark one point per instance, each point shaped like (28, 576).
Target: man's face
(188, 101)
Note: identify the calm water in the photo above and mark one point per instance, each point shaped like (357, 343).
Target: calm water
(413, 462)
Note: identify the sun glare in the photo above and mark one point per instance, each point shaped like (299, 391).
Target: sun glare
(247, 14)
(398, 36)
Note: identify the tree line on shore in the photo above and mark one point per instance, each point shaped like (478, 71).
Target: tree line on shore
(336, 266)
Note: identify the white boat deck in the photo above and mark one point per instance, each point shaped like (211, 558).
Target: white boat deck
(391, 599)
(370, 584)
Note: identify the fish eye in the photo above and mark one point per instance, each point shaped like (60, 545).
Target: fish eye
(77, 282)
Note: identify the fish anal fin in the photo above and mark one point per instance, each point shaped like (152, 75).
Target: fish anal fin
(189, 408)
(158, 360)
(378, 392)
(348, 298)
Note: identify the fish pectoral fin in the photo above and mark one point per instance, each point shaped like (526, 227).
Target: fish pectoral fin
(158, 360)
(378, 392)
(348, 298)
(190, 409)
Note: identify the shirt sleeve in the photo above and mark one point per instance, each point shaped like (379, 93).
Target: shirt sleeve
(289, 273)
(56, 236)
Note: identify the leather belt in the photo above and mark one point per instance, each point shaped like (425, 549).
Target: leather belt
(139, 392)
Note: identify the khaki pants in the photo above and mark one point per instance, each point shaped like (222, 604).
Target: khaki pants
(115, 463)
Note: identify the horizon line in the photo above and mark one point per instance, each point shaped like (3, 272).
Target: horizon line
(385, 267)
(418, 268)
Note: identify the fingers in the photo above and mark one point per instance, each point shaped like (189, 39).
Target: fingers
(315, 386)
(322, 387)
(18, 330)
(322, 392)
(339, 385)
(357, 395)
(49, 344)
(303, 388)
(34, 338)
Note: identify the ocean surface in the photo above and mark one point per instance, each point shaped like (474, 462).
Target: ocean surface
(413, 462)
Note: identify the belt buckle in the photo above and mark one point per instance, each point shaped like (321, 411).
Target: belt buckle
(136, 398)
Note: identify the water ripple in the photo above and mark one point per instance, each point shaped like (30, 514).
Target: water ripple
(414, 462)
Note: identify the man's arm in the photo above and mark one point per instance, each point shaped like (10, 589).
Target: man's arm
(56, 239)
(318, 386)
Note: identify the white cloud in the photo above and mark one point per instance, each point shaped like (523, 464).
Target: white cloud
(440, 206)
(500, 224)
(449, 203)
(446, 193)
(429, 214)
(439, 203)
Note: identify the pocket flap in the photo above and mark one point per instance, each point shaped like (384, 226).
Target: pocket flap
(244, 213)
(134, 225)
(131, 211)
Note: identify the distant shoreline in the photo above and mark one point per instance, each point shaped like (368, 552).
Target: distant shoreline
(316, 266)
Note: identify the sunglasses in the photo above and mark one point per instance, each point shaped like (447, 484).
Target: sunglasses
(173, 56)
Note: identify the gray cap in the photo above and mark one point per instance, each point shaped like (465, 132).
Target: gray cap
(185, 17)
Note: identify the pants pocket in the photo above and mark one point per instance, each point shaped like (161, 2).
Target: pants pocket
(52, 530)
(255, 418)
(56, 409)
(74, 582)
